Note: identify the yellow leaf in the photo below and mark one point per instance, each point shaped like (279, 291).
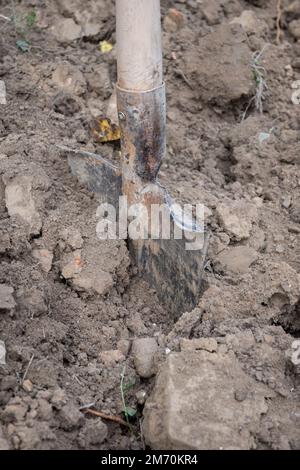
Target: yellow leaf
(105, 131)
(105, 46)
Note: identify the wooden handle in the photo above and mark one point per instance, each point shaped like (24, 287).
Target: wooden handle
(139, 52)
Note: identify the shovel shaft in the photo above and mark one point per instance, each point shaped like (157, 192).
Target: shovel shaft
(139, 51)
(140, 94)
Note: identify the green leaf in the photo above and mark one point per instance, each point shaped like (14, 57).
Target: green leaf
(31, 19)
(129, 411)
(23, 45)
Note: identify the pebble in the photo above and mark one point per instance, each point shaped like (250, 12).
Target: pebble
(27, 385)
(143, 351)
(66, 30)
(111, 357)
(2, 353)
(70, 417)
(7, 301)
(2, 92)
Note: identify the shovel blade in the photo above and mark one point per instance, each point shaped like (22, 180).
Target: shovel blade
(170, 268)
(174, 272)
(97, 174)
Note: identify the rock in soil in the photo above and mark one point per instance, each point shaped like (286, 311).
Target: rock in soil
(66, 31)
(219, 68)
(2, 92)
(70, 417)
(237, 218)
(20, 202)
(193, 404)
(2, 353)
(237, 259)
(143, 351)
(44, 258)
(14, 411)
(7, 301)
(293, 358)
(69, 78)
(93, 433)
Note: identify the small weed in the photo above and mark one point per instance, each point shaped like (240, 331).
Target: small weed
(30, 19)
(23, 25)
(261, 87)
(129, 412)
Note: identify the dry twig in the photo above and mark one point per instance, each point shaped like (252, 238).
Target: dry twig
(115, 419)
(278, 20)
(27, 368)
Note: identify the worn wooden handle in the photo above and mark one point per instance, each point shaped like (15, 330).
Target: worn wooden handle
(139, 51)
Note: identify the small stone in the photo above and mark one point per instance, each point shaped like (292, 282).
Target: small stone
(59, 398)
(141, 397)
(123, 345)
(93, 433)
(66, 103)
(19, 202)
(70, 417)
(2, 353)
(82, 358)
(100, 284)
(28, 436)
(173, 21)
(143, 351)
(109, 358)
(27, 386)
(34, 302)
(251, 23)
(2, 93)
(91, 30)
(212, 11)
(236, 259)
(66, 30)
(4, 444)
(293, 357)
(7, 302)
(43, 374)
(95, 107)
(99, 81)
(14, 412)
(73, 265)
(240, 395)
(194, 404)
(296, 63)
(206, 344)
(215, 71)
(85, 273)
(45, 258)
(294, 28)
(44, 410)
(237, 218)
(72, 237)
(293, 7)
(69, 78)
(286, 201)
(136, 325)
(8, 383)
(269, 339)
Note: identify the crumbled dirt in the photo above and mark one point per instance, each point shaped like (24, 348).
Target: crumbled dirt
(70, 304)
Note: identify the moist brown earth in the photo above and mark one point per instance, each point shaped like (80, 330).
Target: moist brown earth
(72, 309)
